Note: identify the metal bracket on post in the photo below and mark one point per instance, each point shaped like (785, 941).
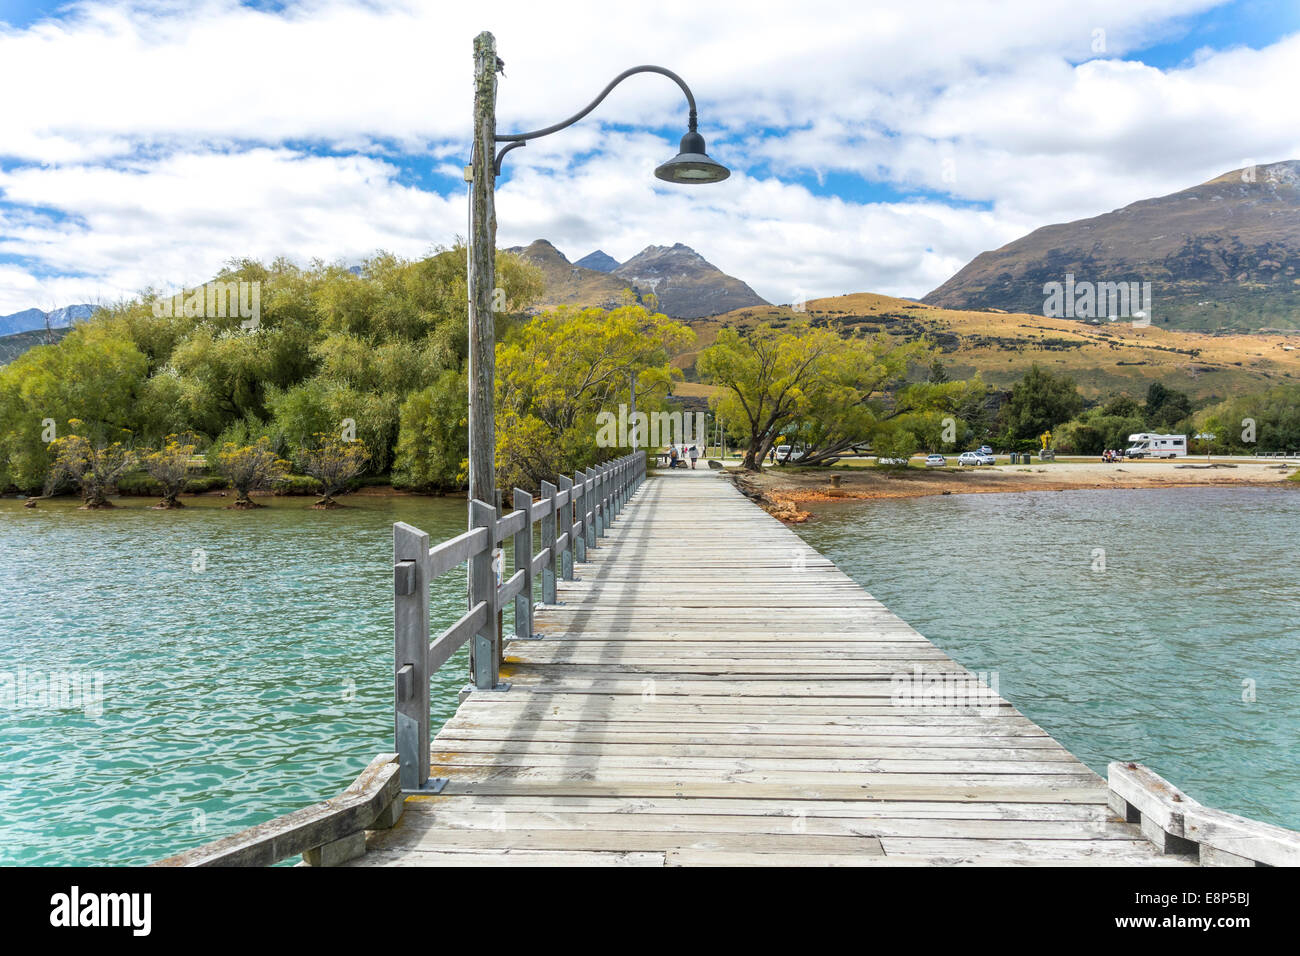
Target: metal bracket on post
(500, 688)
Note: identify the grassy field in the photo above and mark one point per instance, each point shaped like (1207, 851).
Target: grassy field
(1104, 359)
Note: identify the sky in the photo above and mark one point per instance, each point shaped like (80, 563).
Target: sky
(875, 145)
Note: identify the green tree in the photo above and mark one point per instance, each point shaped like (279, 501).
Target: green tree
(433, 439)
(1039, 402)
(93, 464)
(92, 375)
(250, 468)
(1166, 407)
(333, 463)
(170, 467)
(897, 444)
(561, 373)
(768, 374)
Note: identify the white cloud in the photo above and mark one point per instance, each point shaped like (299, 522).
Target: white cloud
(156, 140)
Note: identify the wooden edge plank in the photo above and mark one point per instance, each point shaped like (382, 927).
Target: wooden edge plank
(1241, 837)
(1151, 794)
(351, 812)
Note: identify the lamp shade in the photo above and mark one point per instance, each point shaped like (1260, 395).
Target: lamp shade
(692, 164)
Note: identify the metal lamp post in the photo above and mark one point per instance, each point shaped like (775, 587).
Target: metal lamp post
(691, 165)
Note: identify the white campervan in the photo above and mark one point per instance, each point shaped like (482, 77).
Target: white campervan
(1156, 446)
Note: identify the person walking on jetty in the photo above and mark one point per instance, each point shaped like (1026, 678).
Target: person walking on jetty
(695, 454)
(672, 456)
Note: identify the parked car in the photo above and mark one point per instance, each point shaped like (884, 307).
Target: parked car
(891, 461)
(969, 458)
(784, 453)
(984, 450)
(987, 458)
(935, 461)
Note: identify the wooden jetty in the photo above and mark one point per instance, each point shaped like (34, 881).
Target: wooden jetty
(700, 687)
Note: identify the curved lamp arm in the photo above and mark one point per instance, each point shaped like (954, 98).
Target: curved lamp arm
(515, 140)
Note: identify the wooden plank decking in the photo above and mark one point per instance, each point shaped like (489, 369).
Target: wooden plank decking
(713, 691)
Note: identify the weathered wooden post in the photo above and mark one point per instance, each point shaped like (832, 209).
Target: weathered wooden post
(548, 542)
(482, 272)
(609, 497)
(523, 544)
(566, 528)
(410, 653)
(481, 277)
(580, 509)
(483, 589)
(590, 502)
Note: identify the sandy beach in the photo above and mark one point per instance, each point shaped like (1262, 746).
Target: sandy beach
(786, 492)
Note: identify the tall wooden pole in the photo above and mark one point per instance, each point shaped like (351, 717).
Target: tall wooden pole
(482, 323)
(482, 274)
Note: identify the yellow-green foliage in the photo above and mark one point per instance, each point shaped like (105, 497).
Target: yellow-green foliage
(250, 468)
(93, 465)
(333, 351)
(333, 462)
(559, 371)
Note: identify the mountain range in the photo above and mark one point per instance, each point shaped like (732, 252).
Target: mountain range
(684, 284)
(30, 320)
(1223, 255)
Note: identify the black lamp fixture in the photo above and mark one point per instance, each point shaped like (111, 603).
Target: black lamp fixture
(691, 164)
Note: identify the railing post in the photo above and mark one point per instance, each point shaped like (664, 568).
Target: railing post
(580, 509)
(609, 495)
(602, 526)
(566, 527)
(483, 587)
(523, 545)
(411, 653)
(613, 491)
(548, 542)
(602, 517)
(589, 502)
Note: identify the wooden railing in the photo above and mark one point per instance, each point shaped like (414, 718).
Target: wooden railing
(1176, 823)
(574, 515)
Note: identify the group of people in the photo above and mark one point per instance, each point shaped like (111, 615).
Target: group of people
(1112, 455)
(680, 455)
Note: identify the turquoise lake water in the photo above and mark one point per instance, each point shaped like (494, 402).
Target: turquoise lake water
(255, 686)
(1153, 658)
(263, 682)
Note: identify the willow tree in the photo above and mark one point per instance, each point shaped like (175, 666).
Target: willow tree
(94, 465)
(333, 463)
(169, 466)
(828, 392)
(250, 468)
(559, 371)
